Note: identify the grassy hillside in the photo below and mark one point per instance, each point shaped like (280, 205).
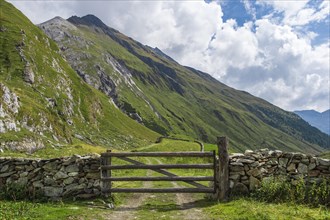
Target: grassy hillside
(172, 99)
(45, 103)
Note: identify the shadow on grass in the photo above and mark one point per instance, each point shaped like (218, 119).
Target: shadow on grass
(170, 206)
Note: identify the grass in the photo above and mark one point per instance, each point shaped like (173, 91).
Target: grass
(94, 118)
(325, 155)
(27, 210)
(245, 209)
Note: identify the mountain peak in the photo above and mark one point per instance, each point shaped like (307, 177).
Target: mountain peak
(87, 20)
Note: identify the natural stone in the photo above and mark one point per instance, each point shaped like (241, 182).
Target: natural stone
(324, 162)
(60, 175)
(50, 166)
(311, 166)
(68, 181)
(72, 168)
(53, 191)
(283, 161)
(302, 168)
(291, 167)
(240, 189)
(254, 183)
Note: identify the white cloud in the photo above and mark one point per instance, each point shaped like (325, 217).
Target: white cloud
(266, 57)
(298, 13)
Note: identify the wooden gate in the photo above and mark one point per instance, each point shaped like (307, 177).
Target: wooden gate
(107, 167)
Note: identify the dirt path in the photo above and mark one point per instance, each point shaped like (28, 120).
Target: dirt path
(128, 211)
(186, 204)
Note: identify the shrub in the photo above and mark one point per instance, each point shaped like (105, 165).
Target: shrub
(280, 190)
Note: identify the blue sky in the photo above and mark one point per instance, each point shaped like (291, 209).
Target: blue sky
(237, 10)
(274, 49)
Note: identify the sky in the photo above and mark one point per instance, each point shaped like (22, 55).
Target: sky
(278, 50)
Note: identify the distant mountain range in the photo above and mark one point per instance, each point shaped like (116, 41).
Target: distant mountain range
(80, 81)
(320, 120)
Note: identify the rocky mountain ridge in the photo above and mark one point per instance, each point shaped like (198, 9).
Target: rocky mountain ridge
(171, 99)
(320, 120)
(44, 103)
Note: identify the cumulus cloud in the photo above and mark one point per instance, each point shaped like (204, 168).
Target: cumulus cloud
(267, 57)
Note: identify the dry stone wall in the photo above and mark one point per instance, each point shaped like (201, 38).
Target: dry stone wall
(76, 176)
(248, 170)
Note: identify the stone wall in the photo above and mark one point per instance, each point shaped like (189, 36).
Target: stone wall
(76, 176)
(246, 171)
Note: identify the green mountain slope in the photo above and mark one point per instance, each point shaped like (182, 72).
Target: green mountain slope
(172, 99)
(44, 102)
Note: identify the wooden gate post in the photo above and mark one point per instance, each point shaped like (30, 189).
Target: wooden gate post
(223, 174)
(106, 185)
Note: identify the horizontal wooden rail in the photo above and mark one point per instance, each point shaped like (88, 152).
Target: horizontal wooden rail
(159, 166)
(158, 154)
(164, 172)
(161, 178)
(160, 190)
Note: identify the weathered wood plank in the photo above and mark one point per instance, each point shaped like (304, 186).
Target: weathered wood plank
(157, 154)
(159, 166)
(105, 161)
(161, 190)
(161, 178)
(223, 175)
(164, 172)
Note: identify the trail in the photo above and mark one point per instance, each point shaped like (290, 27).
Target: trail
(185, 203)
(129, 210)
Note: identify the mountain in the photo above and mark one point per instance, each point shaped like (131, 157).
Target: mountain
(43, 102)
(320, 120)
(172, 99)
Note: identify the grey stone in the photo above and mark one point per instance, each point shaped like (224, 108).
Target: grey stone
(4, 168)
(93, 175)
(248, 152)
(236, 168)
(234, 177)
(73, 174)
(60, 175)
(291, 167)
(7, 174)
(38, 184)
(72, 168)
(53, 191)
(302, 168)
(324, 162)
(240, 189)
(242, 160)
(254, 172)
(51, 166)
(22, 181)
(311, 166)
(254, 183)
(234, 155)
(236, 164)
(24, 174)
(49, 181)
(68, 181)
(255, 164)
(283, 161)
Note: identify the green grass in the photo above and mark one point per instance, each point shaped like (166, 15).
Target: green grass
(245, 209)
(94, 118)
(325, 155)
(26, 210)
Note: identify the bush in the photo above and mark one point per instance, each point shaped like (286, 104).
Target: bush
(17, 192)
(280, 190)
